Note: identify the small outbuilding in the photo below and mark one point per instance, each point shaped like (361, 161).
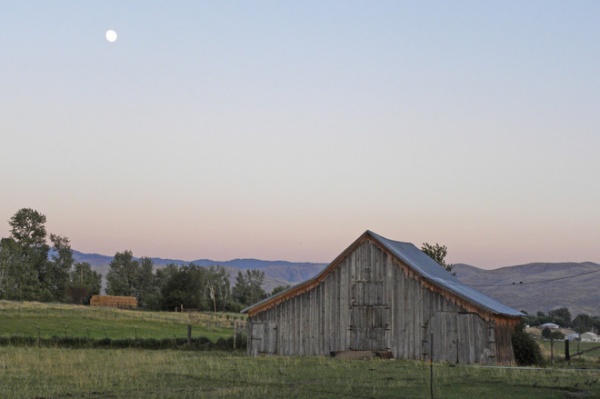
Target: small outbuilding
(589, 337)
(572, 337)
(389, 298)
(552, 326)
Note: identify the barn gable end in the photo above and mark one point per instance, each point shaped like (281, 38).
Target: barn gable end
(383, 295)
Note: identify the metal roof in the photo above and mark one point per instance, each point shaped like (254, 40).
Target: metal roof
(431, 270)
(419, 262)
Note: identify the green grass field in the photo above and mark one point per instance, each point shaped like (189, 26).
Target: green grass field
(32, 319)
(127, 373)
(51, 372)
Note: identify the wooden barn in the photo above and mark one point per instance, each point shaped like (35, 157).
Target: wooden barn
(385, 297)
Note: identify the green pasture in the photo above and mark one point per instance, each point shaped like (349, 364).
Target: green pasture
(128, 373)
(31, 319)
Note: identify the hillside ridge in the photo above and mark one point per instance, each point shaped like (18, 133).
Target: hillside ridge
(539, 286)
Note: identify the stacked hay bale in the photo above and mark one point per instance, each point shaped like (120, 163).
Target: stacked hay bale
(111, 301)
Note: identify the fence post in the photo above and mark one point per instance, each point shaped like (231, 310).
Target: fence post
(431, 367)
(552, 350)
(567, 354)
(189, 335)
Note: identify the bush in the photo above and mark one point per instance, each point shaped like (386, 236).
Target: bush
(527, 351)
(546, 332)
(549, 334)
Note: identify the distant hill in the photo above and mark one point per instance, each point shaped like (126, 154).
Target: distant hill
(539, 286)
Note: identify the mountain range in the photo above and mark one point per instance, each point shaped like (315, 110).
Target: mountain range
(531, 287)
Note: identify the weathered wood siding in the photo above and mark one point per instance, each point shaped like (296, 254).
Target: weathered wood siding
(371, 301)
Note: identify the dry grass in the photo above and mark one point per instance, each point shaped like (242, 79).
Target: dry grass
(60, 373)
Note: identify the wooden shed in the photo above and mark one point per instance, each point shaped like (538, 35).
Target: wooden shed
(387, 297)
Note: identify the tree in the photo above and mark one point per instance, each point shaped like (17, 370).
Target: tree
(279, 289)
(4, 265)
(144, 283)
(218, 287)
(83, 283)
(546, 332)
(583, 323)
(18, 281)
(29, 234)
(121, 276)
(154, 299)
(596, 324)
(26, 272)
(549, 334)
(129, 277)
(560, 316)
(186, 287)
(438, 253)
(57, 273)
(248, 287)
(27, 227)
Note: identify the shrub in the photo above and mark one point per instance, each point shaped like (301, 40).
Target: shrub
(527, 351)
(546, 332)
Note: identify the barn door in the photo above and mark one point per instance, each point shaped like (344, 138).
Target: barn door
(256, 338)
(369, 316)
(264, 338)
(270, 341)
(370, 327)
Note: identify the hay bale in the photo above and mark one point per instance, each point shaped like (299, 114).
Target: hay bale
(350, 354)
(113, 301)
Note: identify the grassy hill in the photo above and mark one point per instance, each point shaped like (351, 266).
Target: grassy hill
(34, 319)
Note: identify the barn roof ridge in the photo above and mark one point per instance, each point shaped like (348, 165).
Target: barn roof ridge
(416, 260)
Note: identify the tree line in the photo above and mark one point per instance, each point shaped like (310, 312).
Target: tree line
(189, 286)
(33, 270)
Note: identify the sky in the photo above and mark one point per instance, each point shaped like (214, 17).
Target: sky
(284, 130)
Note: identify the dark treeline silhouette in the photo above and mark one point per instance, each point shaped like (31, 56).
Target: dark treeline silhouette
(33, 270)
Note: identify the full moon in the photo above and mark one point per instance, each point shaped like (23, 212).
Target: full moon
(111, 35)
